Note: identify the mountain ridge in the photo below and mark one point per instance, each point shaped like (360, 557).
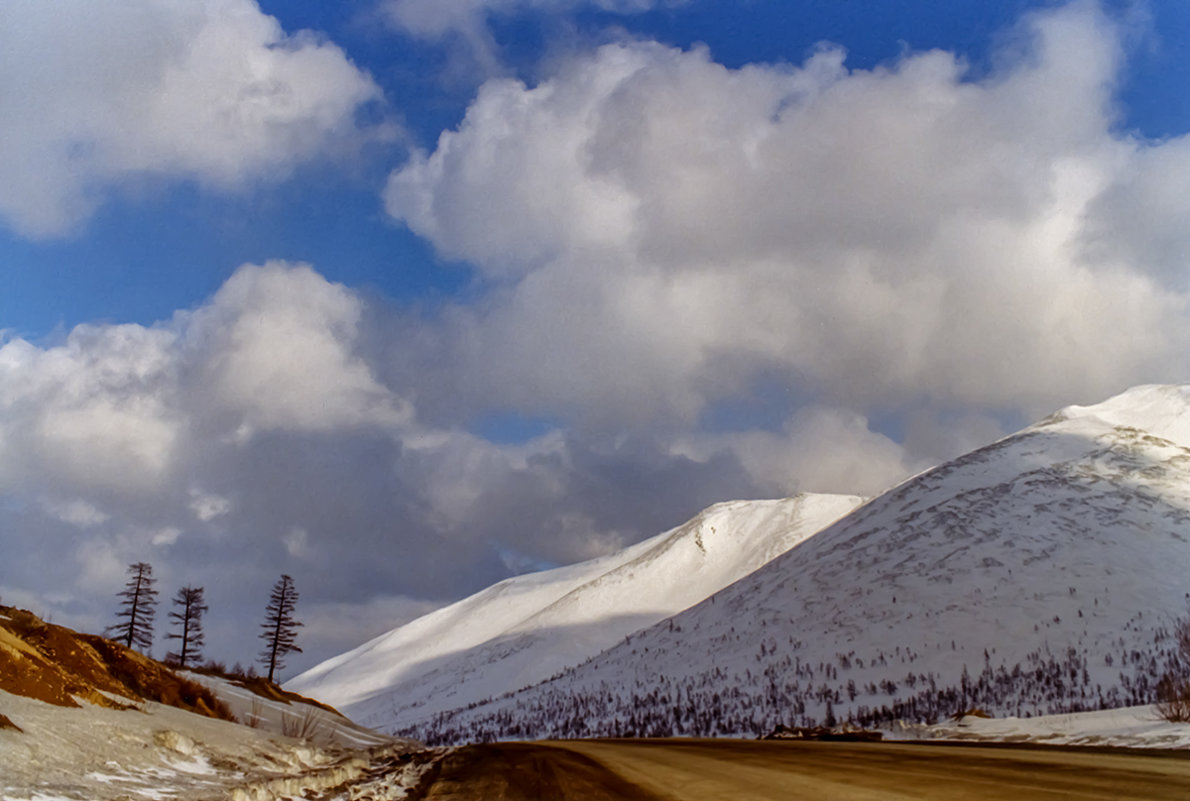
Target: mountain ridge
(527, 628)
(1039, 573)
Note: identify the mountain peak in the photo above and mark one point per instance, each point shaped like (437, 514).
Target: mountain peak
(529, 627)
(1162, 410)
(1037, 574)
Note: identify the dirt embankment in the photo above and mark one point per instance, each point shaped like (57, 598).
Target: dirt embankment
(56, 665)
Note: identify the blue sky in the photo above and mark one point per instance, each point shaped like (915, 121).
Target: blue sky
(399, 296)
(110, 268)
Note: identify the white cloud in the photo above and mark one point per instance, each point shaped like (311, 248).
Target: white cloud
(659, 235)
(437, 18)
(166, 536)
(76, 512)
(260, 433)
(819, 449)
(207, 506)
(297, 543)
(464, 24)
(668, 228)
(93, 94)
(460, 468)
(1140, 220)
(97, 411)
(120, 408)
(277, 348)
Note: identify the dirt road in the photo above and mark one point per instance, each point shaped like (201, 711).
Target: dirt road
(714, 770)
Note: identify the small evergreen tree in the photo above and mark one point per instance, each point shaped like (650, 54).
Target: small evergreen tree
(135, 627)
(189, 620)
(280, 626)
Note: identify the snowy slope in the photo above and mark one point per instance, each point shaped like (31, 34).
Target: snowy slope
(306, 721)
(153, 751)
(1038, 574)
(527, 628)
(1125, 727)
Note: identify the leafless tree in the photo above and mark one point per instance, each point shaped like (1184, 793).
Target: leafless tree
(135, 624)
(189, 600)
(280, 626)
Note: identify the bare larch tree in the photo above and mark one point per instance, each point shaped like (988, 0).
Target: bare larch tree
(280, 626)
(135, 625)
(188, 618)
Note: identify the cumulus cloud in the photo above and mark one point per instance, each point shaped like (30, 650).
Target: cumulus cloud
(259, 434)
(94, 94)
(819, 449)
(95, 411)
(278, 346)
(907, 260)
(668, 228)
(1138, 220)
(562, 498)
(125, 442)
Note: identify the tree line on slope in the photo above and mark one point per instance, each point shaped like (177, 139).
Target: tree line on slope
(789, 691)
(138, 608)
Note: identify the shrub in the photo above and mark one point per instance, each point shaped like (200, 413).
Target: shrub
(1173, 691)
(1173, 700)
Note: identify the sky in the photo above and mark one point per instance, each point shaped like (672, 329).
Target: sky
(404, 297)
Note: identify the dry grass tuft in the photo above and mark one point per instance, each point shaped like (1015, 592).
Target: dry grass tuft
(301, 727)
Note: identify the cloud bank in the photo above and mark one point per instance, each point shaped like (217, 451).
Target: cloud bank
(97, 94)
(257, 434)
(882, 267)
(660, 229)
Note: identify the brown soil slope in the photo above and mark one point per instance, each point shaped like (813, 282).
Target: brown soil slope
(57, 665)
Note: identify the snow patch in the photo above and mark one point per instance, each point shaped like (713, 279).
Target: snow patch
(1126, 727)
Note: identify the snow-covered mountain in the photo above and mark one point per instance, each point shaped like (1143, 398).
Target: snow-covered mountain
(1038, 574)
(530, 627)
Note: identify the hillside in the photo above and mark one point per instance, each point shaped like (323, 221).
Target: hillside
(82, 717)
(62, 667)
(526, 629)
(1038, 574)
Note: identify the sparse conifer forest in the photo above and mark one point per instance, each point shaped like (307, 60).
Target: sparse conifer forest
(138, 610)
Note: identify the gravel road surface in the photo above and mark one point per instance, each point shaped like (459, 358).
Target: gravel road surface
(714, 770)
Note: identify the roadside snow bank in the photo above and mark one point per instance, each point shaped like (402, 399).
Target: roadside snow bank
(94, 753)
(1127, 727)
(304, 721)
